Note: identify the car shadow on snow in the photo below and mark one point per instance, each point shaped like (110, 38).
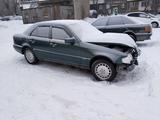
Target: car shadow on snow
(65, 70)
(122, 78)
(73, 73)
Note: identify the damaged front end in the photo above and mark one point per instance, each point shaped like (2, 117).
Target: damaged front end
(130, 60)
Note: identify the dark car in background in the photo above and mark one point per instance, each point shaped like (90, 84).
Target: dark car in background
(122, 24)
(78, 43)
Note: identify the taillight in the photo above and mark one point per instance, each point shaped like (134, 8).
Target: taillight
(148, 29)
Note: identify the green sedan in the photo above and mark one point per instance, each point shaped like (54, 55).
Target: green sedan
(77, 43)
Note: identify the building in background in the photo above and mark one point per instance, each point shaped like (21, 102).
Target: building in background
(43, 10)
(107, 7)
(152, 6)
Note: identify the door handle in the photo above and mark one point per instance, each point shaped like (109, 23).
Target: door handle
(32, 41)
(53, 44)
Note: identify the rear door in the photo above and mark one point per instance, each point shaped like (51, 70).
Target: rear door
(39, 41)
(144, 18)
(116, 25)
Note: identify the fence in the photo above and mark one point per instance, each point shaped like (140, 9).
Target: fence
(47, 13)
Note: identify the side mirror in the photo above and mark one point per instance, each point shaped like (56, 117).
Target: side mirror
(70, 41)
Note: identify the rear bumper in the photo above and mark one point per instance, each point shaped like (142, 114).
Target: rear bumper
(18, 48)
(143, 36)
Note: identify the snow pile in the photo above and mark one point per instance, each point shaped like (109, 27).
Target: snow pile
(56, 92)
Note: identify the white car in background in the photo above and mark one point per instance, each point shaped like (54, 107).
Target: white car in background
(158, 16)
(144, 17)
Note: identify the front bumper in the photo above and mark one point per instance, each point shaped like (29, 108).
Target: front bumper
(129, 62)
(125, 67)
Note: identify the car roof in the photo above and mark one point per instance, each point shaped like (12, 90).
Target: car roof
(125, 16)
(59, 22)
(135, 12)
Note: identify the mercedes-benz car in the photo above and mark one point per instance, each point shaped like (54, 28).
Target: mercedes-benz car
(78, 43)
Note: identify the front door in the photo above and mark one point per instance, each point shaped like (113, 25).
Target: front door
(63, 52)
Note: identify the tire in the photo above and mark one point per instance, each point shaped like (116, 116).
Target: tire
(103, 70)
(29, 56)
(155, 25)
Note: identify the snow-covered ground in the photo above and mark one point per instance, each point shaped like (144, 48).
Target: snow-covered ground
(49, 91)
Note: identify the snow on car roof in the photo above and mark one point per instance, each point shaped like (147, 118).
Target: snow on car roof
(62, 22)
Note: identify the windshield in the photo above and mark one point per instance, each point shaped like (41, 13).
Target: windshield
(84, 30)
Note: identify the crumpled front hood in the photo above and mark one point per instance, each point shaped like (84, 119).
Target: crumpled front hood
(115, 38)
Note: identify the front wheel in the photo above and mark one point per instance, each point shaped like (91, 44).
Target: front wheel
(29, 56)
(103, 70)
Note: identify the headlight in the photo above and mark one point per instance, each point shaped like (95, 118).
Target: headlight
(128, 59)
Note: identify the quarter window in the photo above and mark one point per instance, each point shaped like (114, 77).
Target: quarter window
(128, 21)
(59, 33)
(100, 22)
(41, 32)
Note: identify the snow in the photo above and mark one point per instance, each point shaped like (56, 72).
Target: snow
(57, 92)
(63, 22)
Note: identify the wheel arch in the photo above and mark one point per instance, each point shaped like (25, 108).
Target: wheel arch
(100, 57)
(25, 46)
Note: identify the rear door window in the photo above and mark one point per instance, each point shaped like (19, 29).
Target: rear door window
(42, 31)
(115, 21)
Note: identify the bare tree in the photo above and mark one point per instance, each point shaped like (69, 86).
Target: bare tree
(8, 7)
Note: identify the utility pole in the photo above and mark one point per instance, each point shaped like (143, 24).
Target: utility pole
(81, 9)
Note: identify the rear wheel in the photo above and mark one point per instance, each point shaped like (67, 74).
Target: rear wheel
(155, 25)
(103, 70)
(29, 56)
